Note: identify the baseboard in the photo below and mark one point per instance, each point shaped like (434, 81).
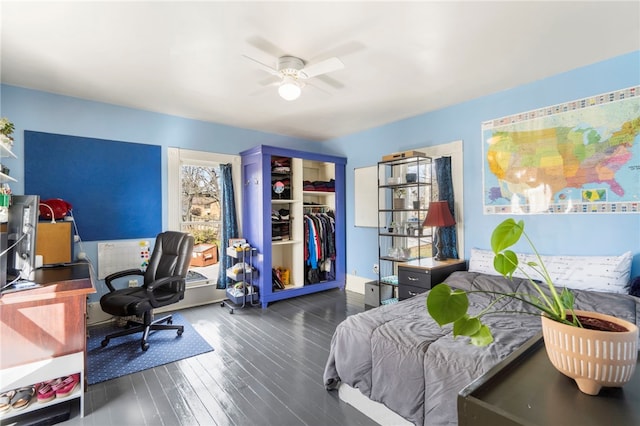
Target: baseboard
(95, 314)
(356, 283)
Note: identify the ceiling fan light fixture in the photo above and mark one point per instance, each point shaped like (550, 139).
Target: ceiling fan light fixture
(289, 89)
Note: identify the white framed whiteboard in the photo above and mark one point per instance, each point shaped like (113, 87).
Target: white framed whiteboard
(120, 255)
(366, 196)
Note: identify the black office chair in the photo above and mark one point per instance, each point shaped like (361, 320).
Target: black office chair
(164, 284)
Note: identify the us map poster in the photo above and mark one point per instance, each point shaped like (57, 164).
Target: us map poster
(582, 156)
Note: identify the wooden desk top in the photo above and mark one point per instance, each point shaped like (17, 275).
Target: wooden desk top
(61, 281)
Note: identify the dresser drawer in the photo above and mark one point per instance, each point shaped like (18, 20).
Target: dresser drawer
(414, 277)
(407, 291)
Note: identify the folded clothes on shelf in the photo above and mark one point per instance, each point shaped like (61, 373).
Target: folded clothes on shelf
(281, 165)
(319, 185)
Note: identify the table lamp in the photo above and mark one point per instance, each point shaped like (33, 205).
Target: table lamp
(438, 216)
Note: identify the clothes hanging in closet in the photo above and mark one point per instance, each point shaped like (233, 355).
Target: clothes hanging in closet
(320, 247)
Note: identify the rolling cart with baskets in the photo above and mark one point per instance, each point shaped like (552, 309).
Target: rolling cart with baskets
(241, 292)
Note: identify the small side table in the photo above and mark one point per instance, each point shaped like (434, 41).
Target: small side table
(418, 276)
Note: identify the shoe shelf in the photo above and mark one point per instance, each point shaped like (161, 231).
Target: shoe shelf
(35, 372)
(35, 405)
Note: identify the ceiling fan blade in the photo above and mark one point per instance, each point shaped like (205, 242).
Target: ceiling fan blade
(330, 81)
(270, 80)
(265, 45)
(318, 88)
(265, 67)
(322, 67)
(259, 92)
(264, 89)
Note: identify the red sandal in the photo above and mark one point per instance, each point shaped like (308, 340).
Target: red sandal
(67, 385)
(46, 391)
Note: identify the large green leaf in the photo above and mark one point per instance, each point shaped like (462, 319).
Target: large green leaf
(505, 263)
(506, 234)
(446, 305)
(466, 326)
(483, 337)
(567, 298)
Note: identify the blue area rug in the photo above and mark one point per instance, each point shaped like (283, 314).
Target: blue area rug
(123, 355)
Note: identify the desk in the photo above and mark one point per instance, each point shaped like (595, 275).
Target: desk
(43, 331)
(525, 389)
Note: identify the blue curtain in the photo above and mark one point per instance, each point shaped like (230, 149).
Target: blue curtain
(229, 222)
(445, 189)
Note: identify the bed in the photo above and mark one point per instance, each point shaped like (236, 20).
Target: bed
(396, 355)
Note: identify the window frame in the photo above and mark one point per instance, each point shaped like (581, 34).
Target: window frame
(176, 157)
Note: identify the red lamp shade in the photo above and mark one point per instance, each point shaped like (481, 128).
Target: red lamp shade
(439, 215)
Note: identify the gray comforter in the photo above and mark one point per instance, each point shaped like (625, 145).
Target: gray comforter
(397, 355)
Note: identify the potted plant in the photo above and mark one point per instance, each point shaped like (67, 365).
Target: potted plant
(6, 130)
(398, 198)
(416, 199)
(561, 324)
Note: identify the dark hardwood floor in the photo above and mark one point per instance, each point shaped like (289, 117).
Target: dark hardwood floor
(266, 369)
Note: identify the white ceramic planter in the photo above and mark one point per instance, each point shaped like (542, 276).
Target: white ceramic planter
(592, 358)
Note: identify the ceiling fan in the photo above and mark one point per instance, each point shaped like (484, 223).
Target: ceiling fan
(293, 73)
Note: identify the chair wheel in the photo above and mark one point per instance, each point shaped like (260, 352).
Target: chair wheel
(222, 304)
(230, 311)
(180, 332)
(144, 346)
(170, 321)
(104, 343)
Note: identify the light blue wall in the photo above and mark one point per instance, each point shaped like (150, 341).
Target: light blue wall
(46, 112)
(553, 234)
(577, 234)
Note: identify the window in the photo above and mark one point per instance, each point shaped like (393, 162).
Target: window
(194, 204)
(200, 202)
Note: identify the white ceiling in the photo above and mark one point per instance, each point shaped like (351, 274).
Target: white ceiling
(401, 58)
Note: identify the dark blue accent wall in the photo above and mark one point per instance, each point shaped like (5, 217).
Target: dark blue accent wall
(114, 187)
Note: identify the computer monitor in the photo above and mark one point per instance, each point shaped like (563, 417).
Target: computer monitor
(22, 226)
